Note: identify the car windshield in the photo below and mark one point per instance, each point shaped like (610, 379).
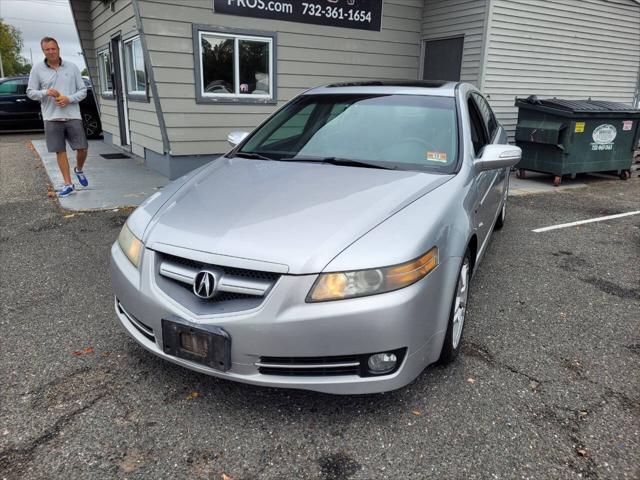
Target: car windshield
(404, 132)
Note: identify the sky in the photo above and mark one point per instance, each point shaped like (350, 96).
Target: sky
(40, 18)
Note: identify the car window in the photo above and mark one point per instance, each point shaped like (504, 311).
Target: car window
(14, 87)
(410, 132)
(487, 114)
(293, 127)
(477, 127)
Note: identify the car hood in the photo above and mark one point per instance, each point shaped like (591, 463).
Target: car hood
(295, 216)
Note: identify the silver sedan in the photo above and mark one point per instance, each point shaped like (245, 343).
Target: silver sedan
(331, 249)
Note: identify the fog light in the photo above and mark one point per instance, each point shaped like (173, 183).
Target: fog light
(382, 363)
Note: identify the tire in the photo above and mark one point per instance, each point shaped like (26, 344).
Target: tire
(455, 328)
(91, 124)
(502, 216)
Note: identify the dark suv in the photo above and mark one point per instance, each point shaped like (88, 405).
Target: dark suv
(19, 113)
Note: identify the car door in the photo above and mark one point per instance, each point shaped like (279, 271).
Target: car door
(17, 111)
(483, 180)
(495, 135)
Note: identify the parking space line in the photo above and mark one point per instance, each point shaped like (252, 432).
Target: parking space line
(581, 222)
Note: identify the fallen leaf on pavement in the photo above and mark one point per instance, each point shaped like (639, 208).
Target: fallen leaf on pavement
(84, 351)
(51, 194)
(193, 395)
(471, 380)
(583, 452)
(417, 413)
(106, 354)
(70, 215)
(226, 477)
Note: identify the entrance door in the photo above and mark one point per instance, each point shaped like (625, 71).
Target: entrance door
(119, 90)
(443, 59)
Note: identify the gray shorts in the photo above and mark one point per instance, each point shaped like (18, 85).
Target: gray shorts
(56, 133)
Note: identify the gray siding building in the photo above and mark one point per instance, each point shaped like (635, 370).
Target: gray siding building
(174, 78)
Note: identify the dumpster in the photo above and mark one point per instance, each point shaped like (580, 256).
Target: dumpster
(567, 137)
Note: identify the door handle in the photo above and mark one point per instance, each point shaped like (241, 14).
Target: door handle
(21, 100)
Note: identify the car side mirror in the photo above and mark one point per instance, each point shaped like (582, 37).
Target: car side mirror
(495, 157)
(234, 138)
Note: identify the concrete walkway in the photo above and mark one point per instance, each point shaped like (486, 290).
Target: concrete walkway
(113, 183)
(535, 183)
(540, 183)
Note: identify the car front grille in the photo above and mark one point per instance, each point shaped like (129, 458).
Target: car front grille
(237, 289)
(320, 366)
(306, 366)
(232, 271)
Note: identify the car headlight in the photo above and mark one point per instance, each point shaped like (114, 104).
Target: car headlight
(131, 245)
(342, 285)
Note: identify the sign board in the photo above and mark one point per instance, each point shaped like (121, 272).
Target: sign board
(358, 14)
(603, 137)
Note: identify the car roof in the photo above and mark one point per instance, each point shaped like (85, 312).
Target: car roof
(390, 87)
(87, 80)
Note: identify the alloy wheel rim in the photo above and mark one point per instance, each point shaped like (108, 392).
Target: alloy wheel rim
(504, 202)
(460, 307)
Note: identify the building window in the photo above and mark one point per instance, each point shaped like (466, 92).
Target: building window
(235, 67)
(443, 59)
(136, 77)
(104, 73)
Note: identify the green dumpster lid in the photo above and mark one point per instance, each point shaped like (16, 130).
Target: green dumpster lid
(577, 106)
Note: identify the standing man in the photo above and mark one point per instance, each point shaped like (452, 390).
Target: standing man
(59, 88)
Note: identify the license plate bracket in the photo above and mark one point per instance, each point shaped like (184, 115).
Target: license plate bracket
(208, 345)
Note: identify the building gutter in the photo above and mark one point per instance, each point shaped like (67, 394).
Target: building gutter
(152, 83)
(485, 43)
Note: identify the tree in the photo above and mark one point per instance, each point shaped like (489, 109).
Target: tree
(10, 46)
(84, 72)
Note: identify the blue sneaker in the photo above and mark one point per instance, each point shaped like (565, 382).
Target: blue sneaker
(81, 178)
(66, 191)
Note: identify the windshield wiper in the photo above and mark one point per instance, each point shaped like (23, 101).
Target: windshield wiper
(345, 162)
(253, 156)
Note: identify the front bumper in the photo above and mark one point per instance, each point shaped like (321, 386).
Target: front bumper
(414, 318)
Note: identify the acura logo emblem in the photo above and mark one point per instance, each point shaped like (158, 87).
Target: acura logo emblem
(204, 285)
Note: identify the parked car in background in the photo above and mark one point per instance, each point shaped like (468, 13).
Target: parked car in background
(18, 113)
(332, 249)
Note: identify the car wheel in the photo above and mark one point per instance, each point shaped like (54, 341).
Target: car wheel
(453, 337)
(91, 124)
(501, 217)
(503, 211)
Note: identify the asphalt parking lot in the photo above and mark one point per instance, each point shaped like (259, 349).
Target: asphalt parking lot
(547, 385)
